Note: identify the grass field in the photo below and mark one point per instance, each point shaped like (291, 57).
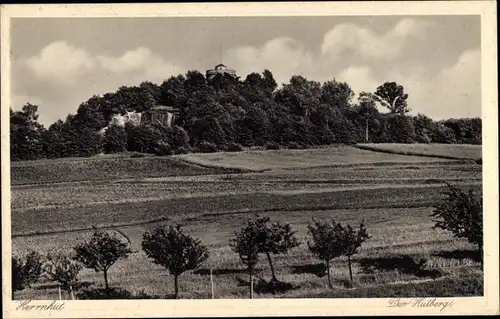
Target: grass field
(102, 168)
(448, 151)
(216, 195)
(279, 159)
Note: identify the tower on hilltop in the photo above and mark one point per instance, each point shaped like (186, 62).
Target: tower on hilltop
(219, 69)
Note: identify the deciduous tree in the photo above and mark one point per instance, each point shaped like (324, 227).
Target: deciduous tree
(461, 213)
(325, 243)
(63, 270)
(246, 245)
(101, 252)
(271, 238)
(173, 249)
(392, 96)
(26, 271)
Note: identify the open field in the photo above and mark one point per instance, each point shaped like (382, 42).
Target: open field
(101, 168)
(407, 237)
(449, 151)
(394, 194)
(273, 159)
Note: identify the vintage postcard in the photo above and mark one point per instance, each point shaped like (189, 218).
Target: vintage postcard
(249, 159)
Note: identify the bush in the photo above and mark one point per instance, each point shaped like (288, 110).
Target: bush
(234, 147)
(207, 147)
(461, 213)
(272, 146)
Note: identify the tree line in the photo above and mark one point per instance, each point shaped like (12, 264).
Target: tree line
(460, 212)
(227, 113)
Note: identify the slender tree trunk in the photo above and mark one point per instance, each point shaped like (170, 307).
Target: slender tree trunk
(251, 282)
(366, 132)
(106, 284)
(176, 283)
(328, 273)
(350, 268)
(272, 267)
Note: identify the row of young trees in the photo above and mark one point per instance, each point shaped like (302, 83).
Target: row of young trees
(215, 114)
(460, 213)
(178, 252)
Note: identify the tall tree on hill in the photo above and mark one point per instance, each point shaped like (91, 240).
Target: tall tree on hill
(172, 91)
(153, 89)
(270, 83)
(299, 95)
(55, 140)
(89, 115)
(392, 96)
(25, 133)
(254, 127)
(134, 98)
(337, 94)
(195, 81)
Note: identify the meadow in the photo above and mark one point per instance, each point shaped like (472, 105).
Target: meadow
(213, 195)
(451, 151)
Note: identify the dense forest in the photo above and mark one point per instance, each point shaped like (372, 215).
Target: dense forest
(228, 113)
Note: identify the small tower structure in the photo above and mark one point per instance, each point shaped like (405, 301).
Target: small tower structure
(219, 69)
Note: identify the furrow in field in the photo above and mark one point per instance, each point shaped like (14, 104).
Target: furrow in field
(50, 219)
(137, 192)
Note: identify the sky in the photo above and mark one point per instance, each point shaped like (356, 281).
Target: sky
(58, 63)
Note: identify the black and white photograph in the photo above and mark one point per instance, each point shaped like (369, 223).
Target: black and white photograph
(250, 157)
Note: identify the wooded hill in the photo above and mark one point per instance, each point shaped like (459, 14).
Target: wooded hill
(226, 113)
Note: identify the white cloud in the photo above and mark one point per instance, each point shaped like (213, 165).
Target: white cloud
(72, 75)
(149, 65)
(129, 61)
(283, 56)
(60, 62)
(453, 92)
(359, 78)
(350, 53)
(350, 38)
(460, 84)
